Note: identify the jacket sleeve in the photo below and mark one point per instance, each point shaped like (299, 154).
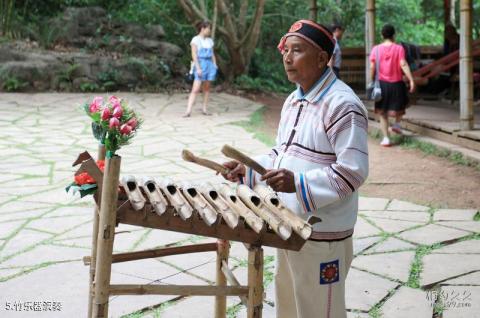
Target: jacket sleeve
(346, 129)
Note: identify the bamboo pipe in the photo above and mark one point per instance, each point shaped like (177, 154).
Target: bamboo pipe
(154, 195)
(106, 233)
(237, 205)
(130, 185)
(190, 157)
(210, 193)
(246, 160)
(271, 200)
(176, 198)
(206, 211)
(93, 255)
(251, 200)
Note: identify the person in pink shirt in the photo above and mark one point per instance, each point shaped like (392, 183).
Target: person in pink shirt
(392, 65)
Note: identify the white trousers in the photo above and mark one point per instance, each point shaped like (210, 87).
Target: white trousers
(311, 283)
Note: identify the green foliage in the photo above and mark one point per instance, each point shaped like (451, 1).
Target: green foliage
(66, 75)
(89, 87)
(108, 79)
(12, 84)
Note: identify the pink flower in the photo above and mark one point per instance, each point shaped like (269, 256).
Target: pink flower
(114, 123)
(106, 113)
(125, 129)
(96, 104)
(132, 122)
(114, 100)
(117, 112)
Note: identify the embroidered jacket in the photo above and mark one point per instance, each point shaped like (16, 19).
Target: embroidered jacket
(322, 138)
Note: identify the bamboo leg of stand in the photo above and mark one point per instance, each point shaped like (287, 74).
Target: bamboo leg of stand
(93, 256)
(222, 256)
(106, 232)
(255, 282)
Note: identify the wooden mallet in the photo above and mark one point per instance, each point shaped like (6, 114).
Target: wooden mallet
(189, 156)
(233, 153)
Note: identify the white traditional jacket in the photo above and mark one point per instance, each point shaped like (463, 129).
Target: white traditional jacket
(322, 138)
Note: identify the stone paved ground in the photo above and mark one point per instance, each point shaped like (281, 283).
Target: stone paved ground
(410, 259)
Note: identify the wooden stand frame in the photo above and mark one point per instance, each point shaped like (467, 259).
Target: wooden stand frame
(113, 211)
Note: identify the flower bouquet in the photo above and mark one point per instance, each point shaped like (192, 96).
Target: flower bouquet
(114, 124)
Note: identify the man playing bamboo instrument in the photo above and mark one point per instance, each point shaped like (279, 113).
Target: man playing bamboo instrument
(319, 161)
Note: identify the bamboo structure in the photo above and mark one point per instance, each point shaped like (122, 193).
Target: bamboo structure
(119, 204)
(93, 255)
(466, 66)
(233, 153)
(369, 37)
(106, 233)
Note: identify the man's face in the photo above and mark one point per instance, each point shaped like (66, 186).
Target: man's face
(303, 62)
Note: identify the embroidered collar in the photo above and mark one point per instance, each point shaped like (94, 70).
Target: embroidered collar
(318, 90)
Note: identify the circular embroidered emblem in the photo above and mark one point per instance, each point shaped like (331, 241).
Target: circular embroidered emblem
(329, 273)
(295, 27)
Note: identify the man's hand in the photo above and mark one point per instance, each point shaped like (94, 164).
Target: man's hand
(236, 170)
(280, 180)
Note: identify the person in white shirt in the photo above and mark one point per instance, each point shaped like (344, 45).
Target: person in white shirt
(317, 165)
(205, 66)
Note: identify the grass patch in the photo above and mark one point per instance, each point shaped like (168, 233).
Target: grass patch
(255, 125)
(476, 217)
(417, 266)
(232, 311)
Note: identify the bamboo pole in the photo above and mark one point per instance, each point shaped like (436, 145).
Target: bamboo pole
(271, 200)
(190, 157)
(154, 195)
(206, 211)
(250, 198)
(183, 290)
(233, 153)
(106, 233)
(212, 196)
(222, 257)
(369, 36)
(232, 280)
(159, 252)
(93, 255)
(237, 205)
(466, 66)
(176, 198)
(255, 282)
(130, 185)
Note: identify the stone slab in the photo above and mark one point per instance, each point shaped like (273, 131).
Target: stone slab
(365, 203)
(407, 302)
(363, 229)
(393, 265)
(391, 244)
(454, 215)
(393, 226)
(432, 234)
(452, 265)
(421, 217)
(471, 226)
(359, 245)
(463, 247)
(363, 290)
(398, 205)
(468, 279)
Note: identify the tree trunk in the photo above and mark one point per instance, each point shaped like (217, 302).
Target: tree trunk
(313, 10)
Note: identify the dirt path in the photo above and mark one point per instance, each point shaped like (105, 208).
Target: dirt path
(404, 174)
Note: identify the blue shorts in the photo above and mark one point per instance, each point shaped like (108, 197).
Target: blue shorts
(209, 70)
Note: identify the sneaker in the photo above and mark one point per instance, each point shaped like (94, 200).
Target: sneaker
(385, 142)
(396, 128)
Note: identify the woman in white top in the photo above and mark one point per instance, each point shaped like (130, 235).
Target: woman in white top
(205, 66)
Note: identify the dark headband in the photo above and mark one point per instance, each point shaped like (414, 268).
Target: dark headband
(316, 34)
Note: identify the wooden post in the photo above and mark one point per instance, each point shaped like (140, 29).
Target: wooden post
(106, 232)
(255, 282)
(369, 36)
(223, 250)
(466, 66)
(93, 255)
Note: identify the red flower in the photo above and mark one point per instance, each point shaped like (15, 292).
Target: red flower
(114, 123)
(84, 178)
(125, 129)
(132, 122)
(106, 113)
(101, 164)
(117, 112)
